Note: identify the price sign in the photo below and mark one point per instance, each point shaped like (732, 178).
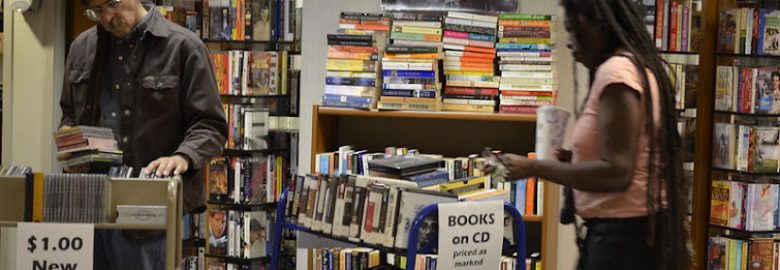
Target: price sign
(470, 235)
(49, 246)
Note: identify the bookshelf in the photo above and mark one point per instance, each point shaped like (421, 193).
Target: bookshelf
(448, 133)
(18, 204)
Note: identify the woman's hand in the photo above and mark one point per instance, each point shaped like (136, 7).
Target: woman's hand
(518, 166)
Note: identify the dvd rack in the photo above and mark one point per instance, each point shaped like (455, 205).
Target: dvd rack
(411, 252)
(18, 203)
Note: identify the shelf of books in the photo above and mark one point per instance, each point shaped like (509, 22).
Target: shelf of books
(442, 61)
(254, 47)
(58, 198)
(360, 136)
(743, 212)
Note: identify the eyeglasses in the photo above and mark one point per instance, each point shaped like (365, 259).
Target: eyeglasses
(94, 13)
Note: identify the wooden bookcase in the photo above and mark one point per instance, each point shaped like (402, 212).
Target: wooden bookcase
(451, 134)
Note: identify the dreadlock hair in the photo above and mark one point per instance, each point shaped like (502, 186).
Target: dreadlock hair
(622, 21)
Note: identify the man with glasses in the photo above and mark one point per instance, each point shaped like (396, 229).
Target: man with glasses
(152, 83)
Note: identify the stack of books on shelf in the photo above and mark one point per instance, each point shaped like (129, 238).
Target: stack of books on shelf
(373, 197)
(732, 253)
(352, 67)
(410, 65)
(237, 234)
(248, 73)
(751, 149)
(748, 31)
(247, 180)
(469, 44)
(744, 206)
(526, 62)
(751, 90)
(87, 145)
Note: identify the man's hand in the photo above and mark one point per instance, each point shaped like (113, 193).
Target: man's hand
(64, 156)
(176, 164)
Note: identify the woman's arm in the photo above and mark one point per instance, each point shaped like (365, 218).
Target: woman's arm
(619, 126)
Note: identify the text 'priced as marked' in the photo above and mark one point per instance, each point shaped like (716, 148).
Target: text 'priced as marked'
(54, 246)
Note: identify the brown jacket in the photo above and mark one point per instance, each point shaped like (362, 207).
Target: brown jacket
(172, 106)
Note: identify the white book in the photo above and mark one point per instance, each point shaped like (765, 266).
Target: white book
(425, 24)
(339, 228)
(390, 221)
(471, 16)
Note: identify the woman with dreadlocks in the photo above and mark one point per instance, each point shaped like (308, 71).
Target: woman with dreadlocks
(625, 164)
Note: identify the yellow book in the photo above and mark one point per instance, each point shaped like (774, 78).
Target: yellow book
(458, 186)
(404, 106)
(409, 99)
(547, 41)
(417, 30)
(350, 65)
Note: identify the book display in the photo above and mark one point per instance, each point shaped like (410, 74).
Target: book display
(428, 170)
(55, 199)
(255, 52)
(442, 61)
(743, 192)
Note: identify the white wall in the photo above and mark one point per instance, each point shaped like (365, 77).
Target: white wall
(34, 46)
(320, 18)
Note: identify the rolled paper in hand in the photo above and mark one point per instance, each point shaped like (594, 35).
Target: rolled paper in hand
(550, 130)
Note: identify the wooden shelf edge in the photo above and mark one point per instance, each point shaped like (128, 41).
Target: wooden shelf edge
(530, 118)
(533, 218)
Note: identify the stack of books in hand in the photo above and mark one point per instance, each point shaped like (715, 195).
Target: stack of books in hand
(94, 146)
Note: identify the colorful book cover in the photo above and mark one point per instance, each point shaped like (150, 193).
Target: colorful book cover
(761, 206)
(736, 199)
(767, 87)
(769, 35)
(724, 88)
(719, 203)
(724, 146)
(761, 254)
(727, 27)
(218, 237)
(766, 158)
(263, 73)
(218, 184)
(716, 253)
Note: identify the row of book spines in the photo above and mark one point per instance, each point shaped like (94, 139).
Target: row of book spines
(729, 253)
(344, 259)
(736, 89)
(232, 179)
(750, 34)
(236, 239)
(236, 20)
(674, 24)
(737, 148)
(235, 72)
(526, 195)
(744, 206)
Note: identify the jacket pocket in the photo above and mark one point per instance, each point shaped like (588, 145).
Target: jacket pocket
(159, 94)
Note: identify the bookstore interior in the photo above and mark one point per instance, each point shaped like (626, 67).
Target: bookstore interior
(364, 134)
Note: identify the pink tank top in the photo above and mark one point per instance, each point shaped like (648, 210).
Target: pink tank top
(586, 143)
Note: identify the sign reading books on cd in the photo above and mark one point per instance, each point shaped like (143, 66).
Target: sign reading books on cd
(45, 246)
(471, 235)
(451, 5)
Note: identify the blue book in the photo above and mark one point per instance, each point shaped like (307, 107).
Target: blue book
(409, 74)
(430, 178)
(340, 104)
(350, 81)
(347, 99)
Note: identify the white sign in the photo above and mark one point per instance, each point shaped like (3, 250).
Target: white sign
(471, 235)
(50, 246)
